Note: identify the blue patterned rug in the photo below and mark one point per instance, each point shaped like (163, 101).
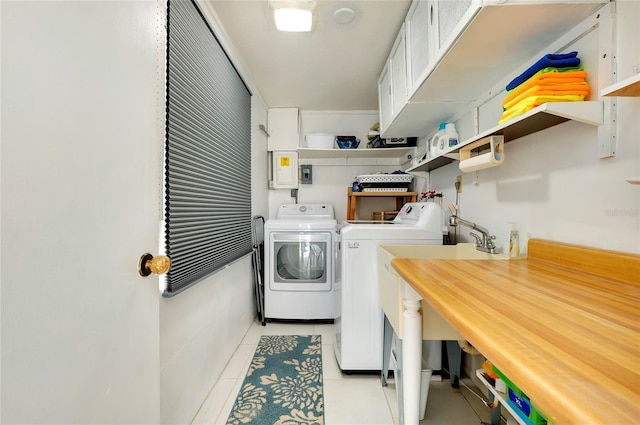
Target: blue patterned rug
(284, 383)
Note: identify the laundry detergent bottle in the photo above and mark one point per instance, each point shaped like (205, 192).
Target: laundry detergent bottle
(436, 145)
(450, 135)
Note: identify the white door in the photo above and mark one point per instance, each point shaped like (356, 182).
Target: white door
(81, 164)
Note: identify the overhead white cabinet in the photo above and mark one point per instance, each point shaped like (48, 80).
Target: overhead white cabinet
(384, 96)
(283, 129)
(450, 18)
(432, 27)
(419, 28)
(398, 64)
(392, 84)
(458, 50)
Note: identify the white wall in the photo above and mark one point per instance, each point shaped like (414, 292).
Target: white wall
(199, 332)
(552, 185)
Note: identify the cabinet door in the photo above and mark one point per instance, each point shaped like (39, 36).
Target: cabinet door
(384, 97)
(398, 65)
(283, 129)
(392, 84)
(450, 19)
(419, 45)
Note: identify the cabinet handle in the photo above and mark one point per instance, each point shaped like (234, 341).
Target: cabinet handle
(431, 15)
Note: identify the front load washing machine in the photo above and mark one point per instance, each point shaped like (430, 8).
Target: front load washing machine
(299, 263)
(359, 326)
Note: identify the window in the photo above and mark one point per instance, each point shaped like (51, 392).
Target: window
(207, 152)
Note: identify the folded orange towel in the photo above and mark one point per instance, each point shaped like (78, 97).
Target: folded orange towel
(548, 78)
(531, 102)
(549, 90)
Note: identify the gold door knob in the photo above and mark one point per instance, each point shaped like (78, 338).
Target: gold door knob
(148, 264)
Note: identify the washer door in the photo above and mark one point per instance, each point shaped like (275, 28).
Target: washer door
(301, 261)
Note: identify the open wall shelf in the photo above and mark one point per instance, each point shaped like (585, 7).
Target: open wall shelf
(537, 119)
(629, 87)
(356, 153)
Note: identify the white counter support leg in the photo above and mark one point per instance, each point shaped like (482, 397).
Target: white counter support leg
(411, 361)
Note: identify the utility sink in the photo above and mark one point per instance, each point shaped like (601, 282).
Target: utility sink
(434, 327)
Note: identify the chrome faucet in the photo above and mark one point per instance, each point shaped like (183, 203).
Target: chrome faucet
(484, 243)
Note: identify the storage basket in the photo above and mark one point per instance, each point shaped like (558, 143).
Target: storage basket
(385, 189)
(524, 408)
(521, 404)
(384, 182)
(384, 178)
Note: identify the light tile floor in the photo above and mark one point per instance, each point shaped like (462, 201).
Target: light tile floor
(349, 399)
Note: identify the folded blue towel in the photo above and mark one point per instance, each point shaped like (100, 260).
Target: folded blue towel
(556, 60)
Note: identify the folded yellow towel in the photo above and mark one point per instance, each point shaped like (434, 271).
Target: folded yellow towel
(531, 102)
(550, 90)
(549, 78)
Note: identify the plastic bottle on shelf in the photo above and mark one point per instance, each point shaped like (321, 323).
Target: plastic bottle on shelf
(514, 241)
(451, 135)
(436, 145)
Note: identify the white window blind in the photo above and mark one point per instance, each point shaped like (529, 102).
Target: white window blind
(207, 152)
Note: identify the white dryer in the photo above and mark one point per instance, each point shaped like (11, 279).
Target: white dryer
(299, 263)
(359, 326)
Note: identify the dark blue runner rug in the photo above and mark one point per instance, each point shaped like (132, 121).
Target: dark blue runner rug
(284, 383)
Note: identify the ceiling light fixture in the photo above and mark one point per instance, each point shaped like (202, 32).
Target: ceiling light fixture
(293, 15)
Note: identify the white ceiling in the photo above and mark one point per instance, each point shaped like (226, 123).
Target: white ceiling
(334, 67)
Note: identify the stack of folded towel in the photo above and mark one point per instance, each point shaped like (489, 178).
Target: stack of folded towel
(554, 78)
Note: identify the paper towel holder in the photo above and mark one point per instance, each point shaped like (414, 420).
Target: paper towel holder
(493, 158)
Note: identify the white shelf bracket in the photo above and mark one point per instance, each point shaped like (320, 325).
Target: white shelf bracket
(607, 74)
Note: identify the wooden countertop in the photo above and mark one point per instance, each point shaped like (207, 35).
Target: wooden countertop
(562, 324)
